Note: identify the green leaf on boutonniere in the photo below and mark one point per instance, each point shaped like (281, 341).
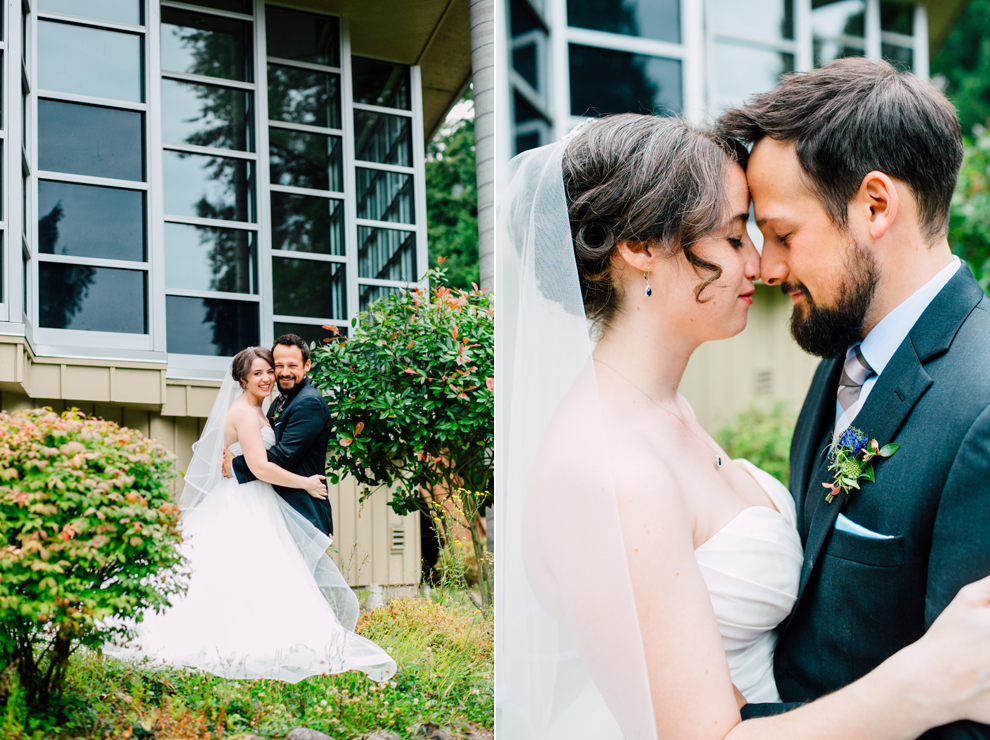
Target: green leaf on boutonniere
(851, 458)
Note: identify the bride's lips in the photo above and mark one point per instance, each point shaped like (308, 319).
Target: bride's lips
(748, 297)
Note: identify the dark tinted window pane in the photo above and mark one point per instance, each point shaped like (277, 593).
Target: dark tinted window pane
(235, 6)
(604, 81)
(523, 19)
(826, 50)
(90, 61)
(386, 254)
(303, 37)
(368, 294)
(209, 326)
(89, 221)
(90, 140)
(742, 71)
(381, 83)
(117, 11)
(309, 288)
(206, 115)
(383, 138)
(202, 44)
(92, 298)
(832, 18)
(897, 17)
(205, 258)
(303, 96)
(651, 19)
(303, 223)
(900, 56)
(525, 142)
(524, 111)
(309, 333)
(524, 62)
(761, 19)
(209, 187)
(305, 160)
(385, 196)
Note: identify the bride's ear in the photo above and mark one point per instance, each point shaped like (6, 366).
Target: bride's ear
(638, 255)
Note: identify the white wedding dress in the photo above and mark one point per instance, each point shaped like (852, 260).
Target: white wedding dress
(254, 608)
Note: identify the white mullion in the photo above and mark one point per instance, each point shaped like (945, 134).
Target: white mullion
(308, 320)
(897, 39)
(205, 10)
(78, 20)
(382, 109)
(803, 36)
(10, 280)
(31, 189)
(364, 164)
(628, 44)
(350, 176)
(920, 41)
(311, 256)
(306, 128)
(108, 182)
(204, 80)
(693, 65)
(392, 225)
(532, 96)
(65, 259)
(303, 65)
(872, 29)
(158, 321)
(560, 75)
(218, 294)
(295, 190)
(262, 178)
(208, 150)
(782, 45)
(380, 283)
(211, 222)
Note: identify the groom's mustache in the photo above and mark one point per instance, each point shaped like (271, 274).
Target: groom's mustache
(788, 288)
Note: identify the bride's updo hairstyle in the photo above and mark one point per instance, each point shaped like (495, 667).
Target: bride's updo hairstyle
(243, 360)
(643, 179)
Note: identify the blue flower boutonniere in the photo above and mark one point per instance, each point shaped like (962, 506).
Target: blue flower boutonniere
(851, 458)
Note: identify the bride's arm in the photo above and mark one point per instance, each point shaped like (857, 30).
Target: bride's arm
(245, 424)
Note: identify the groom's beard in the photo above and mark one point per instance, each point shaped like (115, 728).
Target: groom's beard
(830, 331)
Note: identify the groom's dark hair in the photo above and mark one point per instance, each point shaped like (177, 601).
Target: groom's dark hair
(293, 340)
(854, 116)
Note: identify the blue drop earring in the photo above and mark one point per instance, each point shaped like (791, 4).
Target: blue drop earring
(649, 291)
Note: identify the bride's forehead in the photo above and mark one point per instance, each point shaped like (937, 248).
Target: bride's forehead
(260, 363)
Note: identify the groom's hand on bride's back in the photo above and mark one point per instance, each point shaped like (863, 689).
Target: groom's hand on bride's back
(316, 487)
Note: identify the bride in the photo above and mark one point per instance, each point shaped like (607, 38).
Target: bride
(641, 572)
(264, 599)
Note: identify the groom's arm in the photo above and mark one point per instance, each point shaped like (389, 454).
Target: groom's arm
(752, 711)
(302, 428)
(960, 546)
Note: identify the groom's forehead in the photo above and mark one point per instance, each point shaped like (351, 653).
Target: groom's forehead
(287, 355)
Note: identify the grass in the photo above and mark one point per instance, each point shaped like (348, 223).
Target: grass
(445, 656)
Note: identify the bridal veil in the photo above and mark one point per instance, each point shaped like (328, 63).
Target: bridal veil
(569, 653)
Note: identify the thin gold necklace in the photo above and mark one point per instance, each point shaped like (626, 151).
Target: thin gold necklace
(717, 461)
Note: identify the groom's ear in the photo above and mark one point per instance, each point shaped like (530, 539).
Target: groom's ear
(879, 202)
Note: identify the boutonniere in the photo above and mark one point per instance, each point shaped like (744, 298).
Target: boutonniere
(852, 460)
(278, 413)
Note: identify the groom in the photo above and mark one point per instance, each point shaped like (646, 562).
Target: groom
(302, 424)
(851, 173)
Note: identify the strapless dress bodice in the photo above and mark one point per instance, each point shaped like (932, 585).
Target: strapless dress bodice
(267, 435)
(752, 567)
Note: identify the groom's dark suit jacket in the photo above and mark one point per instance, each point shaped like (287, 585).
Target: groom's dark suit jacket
(302, 432)
(862, 599)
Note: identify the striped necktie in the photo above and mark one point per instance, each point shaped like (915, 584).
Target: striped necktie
(855, 372)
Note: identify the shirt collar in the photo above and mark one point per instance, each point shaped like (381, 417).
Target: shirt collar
(884, 339)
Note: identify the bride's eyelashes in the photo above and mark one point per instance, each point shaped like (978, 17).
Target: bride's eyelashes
(737, 243)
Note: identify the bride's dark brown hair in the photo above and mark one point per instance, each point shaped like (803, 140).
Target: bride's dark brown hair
(647, 180)
(243, 360)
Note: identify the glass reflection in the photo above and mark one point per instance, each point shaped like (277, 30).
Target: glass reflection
(386, 254)
(305, 160)
(209, 187)
(368, 294)
(209, 326)
(310, 333)
(302, 37)
(87, 298)
(90, 140)
(303, 96)
(524, 62)
(234, 6)
(90, 61)
(604, 81)
(385, 196)
(897, 18)
(309, 288)
(742, 71)
(833, 18)
(206, 115)
(116, 11)
(826, 50)
(380, 83)
(199, 44)
(207, 258)
(305, 223)
(382, 138)
(771, 21)
(651, 19)
(900, 56)
(90, 221)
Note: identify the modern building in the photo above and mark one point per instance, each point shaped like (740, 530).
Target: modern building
(181, 180)
(563, 61)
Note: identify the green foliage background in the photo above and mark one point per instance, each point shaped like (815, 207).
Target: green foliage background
(964, 61)
(762, 436)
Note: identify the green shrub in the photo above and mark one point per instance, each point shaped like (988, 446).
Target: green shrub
(89, 536)
(762, 436)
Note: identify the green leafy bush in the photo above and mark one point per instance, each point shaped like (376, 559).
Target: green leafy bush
(89, 535)
(969, 217)
(762, 436)
(412, 395)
